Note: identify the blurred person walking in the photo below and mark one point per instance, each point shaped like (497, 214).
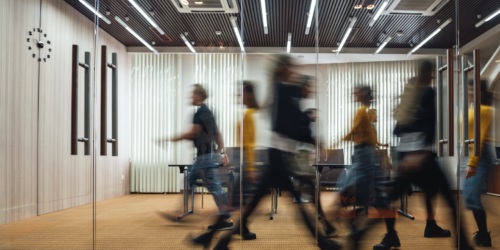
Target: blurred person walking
(287, 133)
(416, 128)
(479, 167)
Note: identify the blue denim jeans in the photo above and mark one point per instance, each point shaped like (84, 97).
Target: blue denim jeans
(474, 186)
(363, 178)
(206, 167)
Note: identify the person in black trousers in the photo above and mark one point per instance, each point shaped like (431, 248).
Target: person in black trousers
(416, 125)
(289, 128)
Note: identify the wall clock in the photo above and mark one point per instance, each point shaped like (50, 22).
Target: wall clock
(39, 45)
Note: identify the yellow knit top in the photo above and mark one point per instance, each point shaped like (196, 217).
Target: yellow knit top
(486, 116)
(362, 131)
(248, 139)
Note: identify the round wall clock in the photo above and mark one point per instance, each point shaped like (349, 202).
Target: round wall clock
(38, 44)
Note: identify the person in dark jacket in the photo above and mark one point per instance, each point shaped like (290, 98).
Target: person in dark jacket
(416, 125)
(287, 133)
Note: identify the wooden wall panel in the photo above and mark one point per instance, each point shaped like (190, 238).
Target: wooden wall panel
(18, 110)
(66, 180)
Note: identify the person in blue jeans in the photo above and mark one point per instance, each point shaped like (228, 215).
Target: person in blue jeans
(478, 167)
(210, 155)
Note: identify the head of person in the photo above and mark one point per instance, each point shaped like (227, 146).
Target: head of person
(249, 99)
(305, 82)
(363, 94)
(486, 94)
(199, 95)
(312, 113)
(425, 72)
(282, 70)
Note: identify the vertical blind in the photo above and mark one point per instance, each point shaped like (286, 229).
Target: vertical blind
(387, 79)
(158, 111)
(158, 106)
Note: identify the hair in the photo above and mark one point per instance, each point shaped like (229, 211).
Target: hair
(486, 94)
(365, 93)
(248, 87)
(282, 62)
(425, 69)
(200, 90)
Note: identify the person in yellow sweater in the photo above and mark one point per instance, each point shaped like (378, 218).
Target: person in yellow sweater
(478, 167)
(246, 140)
(362, 180)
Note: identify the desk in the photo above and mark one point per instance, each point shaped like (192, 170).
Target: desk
(183, 169)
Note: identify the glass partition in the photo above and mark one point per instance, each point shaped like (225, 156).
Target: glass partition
(47, 190)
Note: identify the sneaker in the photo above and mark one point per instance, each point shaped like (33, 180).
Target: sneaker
(246, 235)
(330, 230)
(482, 239)
(224, 225)
(328, 244)
(389, 241)
(432, 230)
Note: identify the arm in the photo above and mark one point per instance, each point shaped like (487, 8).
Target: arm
(188, 135)
(486, 118)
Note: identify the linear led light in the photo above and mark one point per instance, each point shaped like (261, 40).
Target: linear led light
(95, 11)
(379, 12)
(264, 14)
(349, 29)
(147, 17)
(491, 16)
(310, 16)
(188, 44)
(389, 38)
(430, 36)
(289, 42)
(237, 32)
(135, 34)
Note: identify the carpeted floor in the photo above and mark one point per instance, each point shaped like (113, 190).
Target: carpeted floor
(133, 222)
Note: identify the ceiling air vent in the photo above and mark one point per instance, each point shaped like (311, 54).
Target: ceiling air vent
(206, 6)
(412, 7)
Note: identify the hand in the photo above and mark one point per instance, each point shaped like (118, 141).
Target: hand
(470, 172)
(224, 159)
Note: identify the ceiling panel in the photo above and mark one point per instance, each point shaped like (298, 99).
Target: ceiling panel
(290, 16)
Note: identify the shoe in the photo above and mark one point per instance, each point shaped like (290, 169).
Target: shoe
(432, 230)
(301, 201)
(389, 241)
(246, 235)
(328, 244)
(223, 242)
(482, 239)
(224, 225)
(330, 230)
(203, 240)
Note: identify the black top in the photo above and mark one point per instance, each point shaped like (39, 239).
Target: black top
(287, 118)
(205, 139)
(425, 118)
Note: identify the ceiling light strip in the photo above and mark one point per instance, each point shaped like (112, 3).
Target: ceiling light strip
(237, 32)
(188, 44)
(289, 42)
(491, 16)
(106, 20)
(379, 12)
(430, 36)
(389, 38)
(349, 29)
(310, 16)
(147, 17)
(135, 34)
(264, 15)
